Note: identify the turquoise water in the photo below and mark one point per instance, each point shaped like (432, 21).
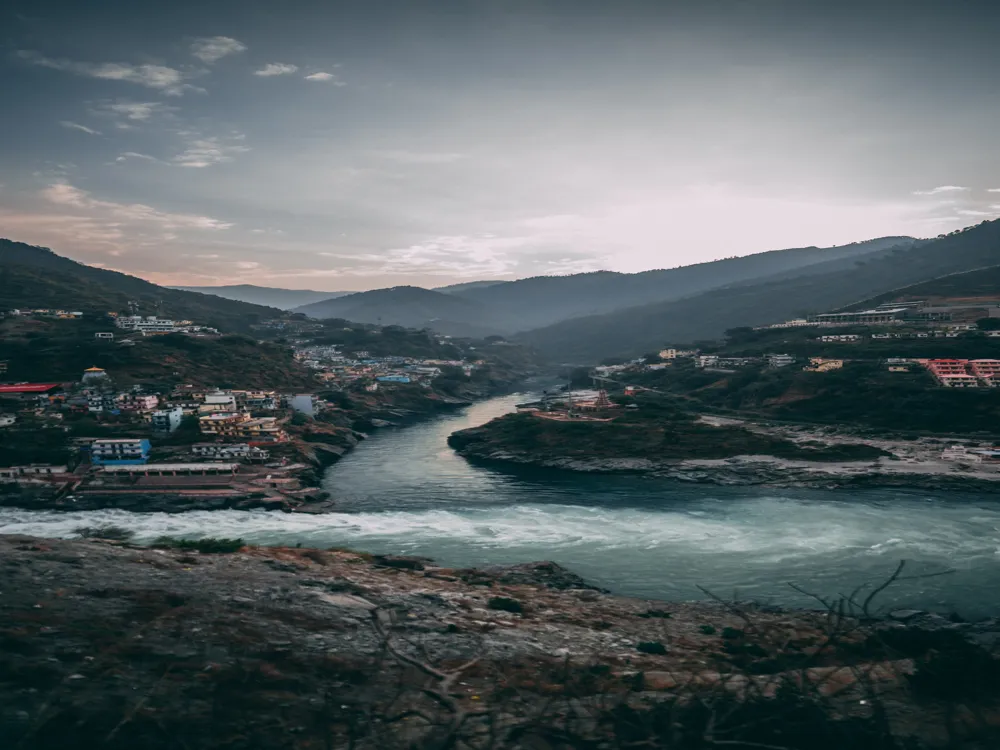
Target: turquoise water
(405, 491)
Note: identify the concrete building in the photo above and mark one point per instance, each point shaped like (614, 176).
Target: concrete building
(243, 427)
(166, 420)
(229, 451)
(952, 373)
(172, 469)
(149, 324)
(32, 470)
(780, 360)
(987, 370)
(104, 336)
(119, 451)
(221, 400)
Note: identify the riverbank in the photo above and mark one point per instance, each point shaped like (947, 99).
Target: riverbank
(272, 643)
(729, 458)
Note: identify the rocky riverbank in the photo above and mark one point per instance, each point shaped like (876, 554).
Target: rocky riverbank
(109, 644)
(911, 464)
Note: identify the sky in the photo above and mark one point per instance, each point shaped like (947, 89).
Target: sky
(348, 145)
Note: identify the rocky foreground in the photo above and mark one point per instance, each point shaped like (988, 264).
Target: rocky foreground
(105, 644)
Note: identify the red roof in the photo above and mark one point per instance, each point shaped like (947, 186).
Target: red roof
(29, 388)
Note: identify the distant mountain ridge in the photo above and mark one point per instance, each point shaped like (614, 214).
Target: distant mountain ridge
(34, 277)
(636, 330)
(526, 304)
(283, 299)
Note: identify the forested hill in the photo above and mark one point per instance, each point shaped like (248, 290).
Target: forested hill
(636, 330)
(36, 277)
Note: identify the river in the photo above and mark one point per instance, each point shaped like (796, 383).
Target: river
(405, 491)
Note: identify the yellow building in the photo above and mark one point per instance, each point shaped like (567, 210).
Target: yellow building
(819, 364)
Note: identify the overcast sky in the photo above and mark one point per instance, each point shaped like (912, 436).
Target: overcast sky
(353, 145)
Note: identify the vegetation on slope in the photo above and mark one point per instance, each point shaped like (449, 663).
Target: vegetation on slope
(35, 277)
(656, 432)
(60, 350)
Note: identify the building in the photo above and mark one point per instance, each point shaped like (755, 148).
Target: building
(31, 471)
(119, 451)
(393, 378)
(103, 404)
(166, 420)
(25, 391)
(242, 426)
(987, 370)
(960, 453)
(229, 451)
(149, 324)
(139, 402)
(820, 364)
(256, 400)
(952, 373)
(840, 339)
(104, 336)
(221, 401)
(780, 360)
(93, 375)
(171, 470)
(863, 317)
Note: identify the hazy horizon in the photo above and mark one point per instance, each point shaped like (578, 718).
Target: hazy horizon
(344, 147)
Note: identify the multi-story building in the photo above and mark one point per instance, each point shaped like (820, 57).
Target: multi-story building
(139, 402)
(242, 426)
(987, 370)
(119, 451)
(256, 400)
(229, 451)
(841, 338)
(149, 324)
(952, 373)
(220, 401)
(780, 360)
(166, 420)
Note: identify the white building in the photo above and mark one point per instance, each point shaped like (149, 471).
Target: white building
(229, 451)
(780, 360)
(221, 401)
(166, 420)
(149, 324)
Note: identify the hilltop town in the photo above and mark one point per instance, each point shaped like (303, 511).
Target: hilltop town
(110, 437)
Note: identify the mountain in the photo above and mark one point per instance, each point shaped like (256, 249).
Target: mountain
(283, 299)
(979, 284)
(644, 328)
(508, 307)
(35, 277)
(410, 306)
(468, 285)
(543, 300)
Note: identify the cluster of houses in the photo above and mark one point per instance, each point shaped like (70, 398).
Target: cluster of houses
(340, 369)
(951, 332)
(46, 313)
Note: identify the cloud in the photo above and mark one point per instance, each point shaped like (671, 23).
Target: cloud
(166, 79)
(78, 126)
(212, 48)
(420, 157)
(276, 69)
(941, 189)
(326, 78)
(247, 265)
(135, 155)
(993, 190)
(206, 152)
(134, 110)
(64, 194)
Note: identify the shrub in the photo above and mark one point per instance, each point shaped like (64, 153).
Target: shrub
(506, 604)
(652, 647)
(656, 613)
(208, 545)
(731, 634)
(707, 629)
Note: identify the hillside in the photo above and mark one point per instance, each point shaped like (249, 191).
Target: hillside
(636, 330)
(59, 351)
(467, 286)
(979, 284)
(408, 306)
(283, 299)
(36, 277)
